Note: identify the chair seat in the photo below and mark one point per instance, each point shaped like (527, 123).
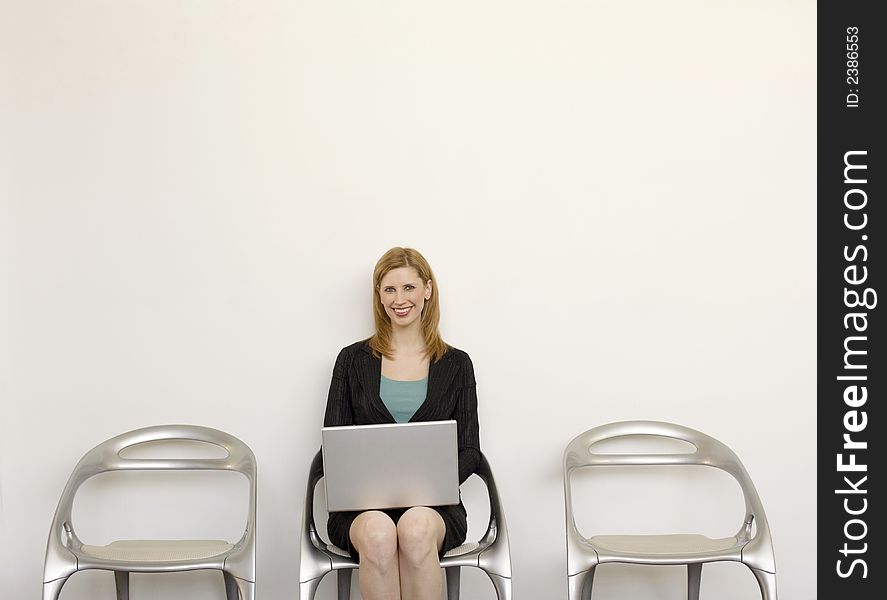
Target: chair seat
(463, 549)
(667, 545)
(337, 550)
(158, 550)
(457, 551)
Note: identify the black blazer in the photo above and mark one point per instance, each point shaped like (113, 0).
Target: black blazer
(452, 394)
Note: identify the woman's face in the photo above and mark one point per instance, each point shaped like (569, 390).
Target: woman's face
(403, 294)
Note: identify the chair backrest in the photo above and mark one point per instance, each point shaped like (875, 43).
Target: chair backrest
(708, 452)
(107, 457)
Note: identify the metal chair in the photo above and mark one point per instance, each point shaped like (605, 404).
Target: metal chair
(66, 553)
(491, 554)
(751, 545)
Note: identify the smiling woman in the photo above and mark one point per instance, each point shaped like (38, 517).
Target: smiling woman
(404, 372)
(400, 292)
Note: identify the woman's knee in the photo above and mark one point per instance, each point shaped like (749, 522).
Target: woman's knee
(420, 532)
(374, 535)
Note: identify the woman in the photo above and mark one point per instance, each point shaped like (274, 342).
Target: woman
(405, 372)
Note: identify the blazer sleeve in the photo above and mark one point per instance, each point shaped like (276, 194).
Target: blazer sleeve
(338, 402)
(467, 427)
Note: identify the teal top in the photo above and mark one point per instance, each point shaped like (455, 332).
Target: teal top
(403, 398)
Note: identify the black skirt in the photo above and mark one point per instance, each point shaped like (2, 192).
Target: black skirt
(454, 517)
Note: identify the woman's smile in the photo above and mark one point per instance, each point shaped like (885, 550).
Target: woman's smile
(402, 312)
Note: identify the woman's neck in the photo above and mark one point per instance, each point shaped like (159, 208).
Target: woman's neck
(407, 341)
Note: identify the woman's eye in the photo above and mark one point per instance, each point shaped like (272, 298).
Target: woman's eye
(409, 287)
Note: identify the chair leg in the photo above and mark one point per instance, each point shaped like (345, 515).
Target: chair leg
(121, 582)
(579, 585)
(502, 585)
(238, 589)
(767, 583)
(307, 589)
(52, 588)
(694, 578)
(247, 589)
(343, 582)
(454, 575)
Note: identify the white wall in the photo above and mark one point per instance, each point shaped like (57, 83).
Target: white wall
(617, 199)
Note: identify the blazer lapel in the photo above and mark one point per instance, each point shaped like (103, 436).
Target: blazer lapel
(370, 376)
(440, 375)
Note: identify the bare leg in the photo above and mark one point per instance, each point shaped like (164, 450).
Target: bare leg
(374, 535)
(420, 533)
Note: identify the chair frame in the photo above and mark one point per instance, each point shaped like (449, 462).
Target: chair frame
(64, 549)
(752, 542)
(491, 554)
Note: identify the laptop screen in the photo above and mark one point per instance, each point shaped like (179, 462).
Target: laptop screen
(391, 465)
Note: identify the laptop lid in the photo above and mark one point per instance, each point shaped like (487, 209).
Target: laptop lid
(391, 465)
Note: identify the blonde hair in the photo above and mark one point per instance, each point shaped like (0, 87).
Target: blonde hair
(396, 258)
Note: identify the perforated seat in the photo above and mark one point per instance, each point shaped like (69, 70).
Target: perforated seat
(677, 547)
(158, 550)
(457, 551)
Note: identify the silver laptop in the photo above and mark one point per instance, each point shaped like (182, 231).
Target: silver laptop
(390, 466)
